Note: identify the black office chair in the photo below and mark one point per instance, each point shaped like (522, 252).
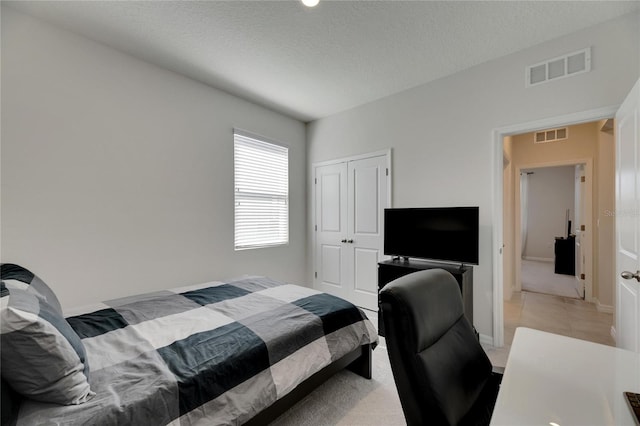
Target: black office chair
(442, 374)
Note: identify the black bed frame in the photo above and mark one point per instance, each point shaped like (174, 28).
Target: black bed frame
(358, 361)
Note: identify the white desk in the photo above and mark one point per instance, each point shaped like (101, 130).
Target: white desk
(551, 379)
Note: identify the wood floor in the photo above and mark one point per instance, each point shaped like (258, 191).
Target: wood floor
(555, 314)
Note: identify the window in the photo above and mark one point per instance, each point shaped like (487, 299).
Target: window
(261, 192)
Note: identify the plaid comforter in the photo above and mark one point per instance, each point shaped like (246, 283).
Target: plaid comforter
(217, 353)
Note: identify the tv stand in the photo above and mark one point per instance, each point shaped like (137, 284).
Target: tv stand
(389, 270)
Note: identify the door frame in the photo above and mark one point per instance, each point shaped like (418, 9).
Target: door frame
(497, 195)
(385, 152)
(588, 215)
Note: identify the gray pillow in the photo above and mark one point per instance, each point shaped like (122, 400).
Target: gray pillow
(42, 357)
(15, 276)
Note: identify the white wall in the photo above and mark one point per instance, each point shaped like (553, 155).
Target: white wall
(508, 221)
(441, 132)
(117, 176)
(550, 194)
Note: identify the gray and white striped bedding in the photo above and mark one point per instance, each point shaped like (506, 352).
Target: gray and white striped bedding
(217, 353)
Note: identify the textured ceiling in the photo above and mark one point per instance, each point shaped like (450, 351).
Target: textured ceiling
(311, 63)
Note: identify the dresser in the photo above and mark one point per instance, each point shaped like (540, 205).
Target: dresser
(389, 270)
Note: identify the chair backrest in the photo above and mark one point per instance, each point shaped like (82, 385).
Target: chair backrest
(438, 364)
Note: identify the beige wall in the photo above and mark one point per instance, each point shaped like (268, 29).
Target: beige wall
(585, 141)
(605, 235)
(582, 143)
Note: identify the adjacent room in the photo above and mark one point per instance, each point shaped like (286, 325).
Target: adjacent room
(319, 213)
(559, 276)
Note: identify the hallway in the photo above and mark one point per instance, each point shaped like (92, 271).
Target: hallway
(555, 314)
(539, 277)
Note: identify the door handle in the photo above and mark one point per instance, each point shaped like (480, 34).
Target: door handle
(629, 275)
(344, 240)
(350, 241)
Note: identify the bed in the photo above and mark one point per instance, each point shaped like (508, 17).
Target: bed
(238, 352)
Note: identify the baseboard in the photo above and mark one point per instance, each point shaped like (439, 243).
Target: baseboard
(607, 309)
(486, 340)
(538, 259)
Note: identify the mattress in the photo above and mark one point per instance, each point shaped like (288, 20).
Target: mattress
(215, 354)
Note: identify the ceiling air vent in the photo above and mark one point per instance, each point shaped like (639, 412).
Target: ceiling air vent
(551, 135)
(560, 67)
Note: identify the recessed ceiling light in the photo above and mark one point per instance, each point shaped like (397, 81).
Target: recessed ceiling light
(310, 3)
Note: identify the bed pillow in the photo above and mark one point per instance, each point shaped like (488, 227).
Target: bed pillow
(42, 357)
(15, 276)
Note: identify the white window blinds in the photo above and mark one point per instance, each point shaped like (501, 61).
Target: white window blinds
(261, 192)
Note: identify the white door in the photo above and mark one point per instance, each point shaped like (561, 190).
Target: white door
(350, 200)
(367, 201)
(331, 229)
(628, 222)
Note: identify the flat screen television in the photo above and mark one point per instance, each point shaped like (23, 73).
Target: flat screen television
(448, 234)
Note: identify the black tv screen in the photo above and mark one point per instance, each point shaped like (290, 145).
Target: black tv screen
(448, 234)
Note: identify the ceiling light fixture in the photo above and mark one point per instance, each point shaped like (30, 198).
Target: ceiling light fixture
(310, 3)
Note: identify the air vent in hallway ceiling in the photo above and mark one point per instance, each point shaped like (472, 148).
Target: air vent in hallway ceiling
(563, 66)
(551, 135)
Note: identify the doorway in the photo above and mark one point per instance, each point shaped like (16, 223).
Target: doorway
(553, 252)
(503, 281)
(567, 166)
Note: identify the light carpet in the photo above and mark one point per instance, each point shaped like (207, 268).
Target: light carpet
(539, 277)
(347, 399)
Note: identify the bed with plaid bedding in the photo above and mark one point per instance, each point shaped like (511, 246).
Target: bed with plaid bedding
(217, 353)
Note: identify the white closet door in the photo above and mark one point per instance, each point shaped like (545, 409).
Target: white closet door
(350, 198)
(331, 222)
(367, 200)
